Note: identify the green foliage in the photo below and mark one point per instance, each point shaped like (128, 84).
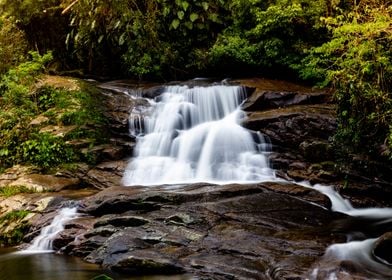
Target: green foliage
(150, 38)
(23, 99)
(13, 45)
(8, 191)
(13, 216)
(42, 23)
(45, 150)
(18, 230)
(26, 10)
(357, 63)
(269, 35)
(234, 49)
(16, 84)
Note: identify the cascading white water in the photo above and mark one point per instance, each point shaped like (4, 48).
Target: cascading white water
(194, 135)
(357, 252)
(43, 242)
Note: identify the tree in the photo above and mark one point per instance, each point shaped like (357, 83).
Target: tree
(357, 62)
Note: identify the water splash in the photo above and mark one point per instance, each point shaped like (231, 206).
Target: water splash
(194, 135)
(44, 241)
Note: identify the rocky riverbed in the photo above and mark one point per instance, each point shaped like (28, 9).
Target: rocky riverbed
(270, 230)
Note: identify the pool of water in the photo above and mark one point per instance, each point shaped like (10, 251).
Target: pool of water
(17, 266)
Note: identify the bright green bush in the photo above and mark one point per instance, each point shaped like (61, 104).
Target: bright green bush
(269, 36)
(45, 150)
(357, 62)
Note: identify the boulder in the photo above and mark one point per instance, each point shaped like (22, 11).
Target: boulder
(104, 175)
(382, 249)
(289, 127)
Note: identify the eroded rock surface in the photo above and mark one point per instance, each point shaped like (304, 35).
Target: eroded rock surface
(212, 232)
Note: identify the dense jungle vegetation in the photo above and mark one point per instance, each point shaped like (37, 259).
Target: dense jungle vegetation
(343, 44)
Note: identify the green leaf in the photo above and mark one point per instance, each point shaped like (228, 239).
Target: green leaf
(166, 11)
(185, 5)
(180, 14)
(193, 17)
(205, 6)
(121, 40)
(189, 25)
(175, 23)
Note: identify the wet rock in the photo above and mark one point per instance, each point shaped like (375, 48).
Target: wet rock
(122, 221)
(263, 100)
(105, 175)
(146, 262)
(104, 231)
(383, 248)
(301, 192)
(117, 111)
(180, 219)
(82, 247)
(64, 238)
(116, 201)
(289, 127)
(230, 231)
(316, 151)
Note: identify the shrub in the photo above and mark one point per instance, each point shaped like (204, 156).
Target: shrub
(357, 62)
(45, 150)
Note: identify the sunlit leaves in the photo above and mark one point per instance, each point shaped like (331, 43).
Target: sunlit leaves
(175, 23)
(357, 63)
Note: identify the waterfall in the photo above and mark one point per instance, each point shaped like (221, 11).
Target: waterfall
(194, 135)
(43, 242)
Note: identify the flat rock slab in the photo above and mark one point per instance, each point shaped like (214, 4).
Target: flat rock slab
(209, 231)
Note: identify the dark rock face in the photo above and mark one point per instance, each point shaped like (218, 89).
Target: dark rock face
(289, 127)
(218, 232)
(264, 100)
(382, 250)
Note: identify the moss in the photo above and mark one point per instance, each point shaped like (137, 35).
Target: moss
(14, 227)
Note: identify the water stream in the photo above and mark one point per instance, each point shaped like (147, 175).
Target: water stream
(190, 135)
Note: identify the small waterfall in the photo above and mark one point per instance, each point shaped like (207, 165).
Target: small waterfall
(357, 252)
(43, 242)
(194, 135)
